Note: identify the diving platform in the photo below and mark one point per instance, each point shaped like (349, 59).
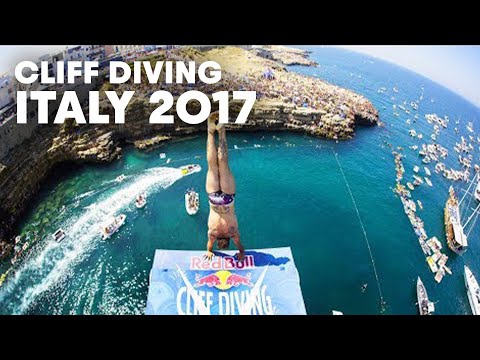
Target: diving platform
(266, 282)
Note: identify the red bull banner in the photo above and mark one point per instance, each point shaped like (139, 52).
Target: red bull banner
(266, 282)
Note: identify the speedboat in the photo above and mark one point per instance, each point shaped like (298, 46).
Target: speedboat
(112, 226)
(425, 306)
(168, 161)
(192, 202)
(336, 312)
(473, 291)
(190, 169)
(410, 186)
(420, 205)
(141, 200)
(427, 171)
(416, 168)
(59, 235)
(427, 180)
(120, 178)
(163, 155)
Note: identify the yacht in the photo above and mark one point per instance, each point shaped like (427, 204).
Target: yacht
(456, 238)
(59, 235)
(192, 202)
(112, 226)
(425, 306)
(473, 291)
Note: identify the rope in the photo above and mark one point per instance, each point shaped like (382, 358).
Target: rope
(382, 302)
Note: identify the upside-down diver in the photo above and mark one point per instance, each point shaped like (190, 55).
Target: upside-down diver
(220, 186)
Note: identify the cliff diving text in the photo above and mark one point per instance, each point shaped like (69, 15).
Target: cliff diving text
(179, 72)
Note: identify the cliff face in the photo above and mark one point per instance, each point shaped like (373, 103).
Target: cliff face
(23, 170)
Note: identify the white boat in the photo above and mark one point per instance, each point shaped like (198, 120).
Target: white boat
(410, 186)
(473, 291)
(112, 226)
(141, 201)
(236, 147)
(427, 171)
(192, 202)
(416, 168)
(336, 312)
(477, 191)
(190, 169)
(420, 205)
(418, 180)
(425, 306)
(120, 178)
(427, 180)
(168, 160)
(59, 235)
(163, 155)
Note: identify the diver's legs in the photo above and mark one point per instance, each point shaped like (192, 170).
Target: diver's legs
(227, 182)
(213, 180)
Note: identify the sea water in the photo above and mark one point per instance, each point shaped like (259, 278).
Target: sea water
(290, 192)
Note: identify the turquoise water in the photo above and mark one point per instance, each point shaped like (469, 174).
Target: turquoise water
(287, 196)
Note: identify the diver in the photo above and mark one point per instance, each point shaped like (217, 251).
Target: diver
(220, 186)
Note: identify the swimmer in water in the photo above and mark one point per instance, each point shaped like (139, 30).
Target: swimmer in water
(220, 186)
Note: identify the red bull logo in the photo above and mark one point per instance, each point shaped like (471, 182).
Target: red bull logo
(223, 280)
(221, 263)
(209, 280)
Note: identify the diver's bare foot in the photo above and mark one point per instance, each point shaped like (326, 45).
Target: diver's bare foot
(212, 122)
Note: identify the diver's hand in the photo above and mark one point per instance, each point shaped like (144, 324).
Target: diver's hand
(208, 256)
(240, 256)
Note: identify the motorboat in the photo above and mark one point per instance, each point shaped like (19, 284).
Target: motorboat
(473, 291)
(427, 171)
(427, 180)
(112, 226)
(190, 169)
(425, 306)
(163, 155)
(59, 235)
(416, 168)
(120, 178)
(192, 202)
(168, 161)
(420, 205)
(141, 201)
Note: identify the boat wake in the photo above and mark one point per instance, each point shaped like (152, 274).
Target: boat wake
(54, 262)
